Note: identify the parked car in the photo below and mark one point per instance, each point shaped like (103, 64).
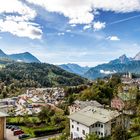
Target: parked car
(15, 128)
(9, 126)
(22, 136)
(30, 106)
(18, 132)
(12, 126)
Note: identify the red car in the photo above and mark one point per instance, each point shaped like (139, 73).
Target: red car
(18, 132)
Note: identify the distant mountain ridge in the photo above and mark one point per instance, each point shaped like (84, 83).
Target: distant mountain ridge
(74, 68)
(120, 65)
(2, 54)
(122, 59)
(137, 57)
(20, 57)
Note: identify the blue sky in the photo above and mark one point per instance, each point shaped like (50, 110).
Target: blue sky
(86, 32)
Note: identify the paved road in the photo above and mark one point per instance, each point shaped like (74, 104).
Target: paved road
(46, 137)
(10, 136)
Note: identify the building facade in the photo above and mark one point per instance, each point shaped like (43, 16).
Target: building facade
(2, 126)
(117, 103)
(122, 101)
(92, 120)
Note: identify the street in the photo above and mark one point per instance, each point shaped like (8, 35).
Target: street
(10, 136)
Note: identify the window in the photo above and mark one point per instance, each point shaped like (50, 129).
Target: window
(72, 126)
(93, 126)
(77, 128)
(101, 134)
(71, 135)
(101, 126)
(72, 120)
(95, 132)
(77, 122)
(96, 125)
(83, 131)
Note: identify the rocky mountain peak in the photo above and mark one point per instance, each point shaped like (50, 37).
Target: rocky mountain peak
(137, 57)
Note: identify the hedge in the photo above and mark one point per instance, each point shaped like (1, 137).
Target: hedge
(39, 133)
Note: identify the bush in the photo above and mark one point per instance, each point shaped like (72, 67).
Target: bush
(39, 133)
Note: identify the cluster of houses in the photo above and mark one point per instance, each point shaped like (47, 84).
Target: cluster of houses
(32, 101)
(127, 94)
(129, 80)
(28, 103)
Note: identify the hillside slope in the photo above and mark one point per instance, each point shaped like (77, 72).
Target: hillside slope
(19, 57)
(38, 75)
(24, 57)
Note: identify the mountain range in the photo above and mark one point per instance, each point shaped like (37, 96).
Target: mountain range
(20, 57)
(122, 64)
(35, 74)
(74, 68)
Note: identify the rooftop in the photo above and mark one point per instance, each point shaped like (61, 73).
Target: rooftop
(84, 104)
(91, 115)
(3, 114)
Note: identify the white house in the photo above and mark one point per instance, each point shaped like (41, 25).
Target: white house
(92, 120)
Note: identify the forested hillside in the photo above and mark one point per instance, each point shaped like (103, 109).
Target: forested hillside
(16, 76)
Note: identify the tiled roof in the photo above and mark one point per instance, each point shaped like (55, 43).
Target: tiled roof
(91, 115)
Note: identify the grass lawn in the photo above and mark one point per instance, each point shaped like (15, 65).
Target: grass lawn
(31, 130)
(135, 138)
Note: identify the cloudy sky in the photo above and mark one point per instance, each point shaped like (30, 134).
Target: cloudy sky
(86, 32)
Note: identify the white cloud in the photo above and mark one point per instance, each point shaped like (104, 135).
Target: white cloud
(17, 19)
(15, 6)
(87, 27)
(68, 31)
(0, 37)
(73, 25)
(59, 34)
(98, 25)
(117, 5)
(107, 72)
(21, 29)
(83, 11)
(113, 38)
(78, 11)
